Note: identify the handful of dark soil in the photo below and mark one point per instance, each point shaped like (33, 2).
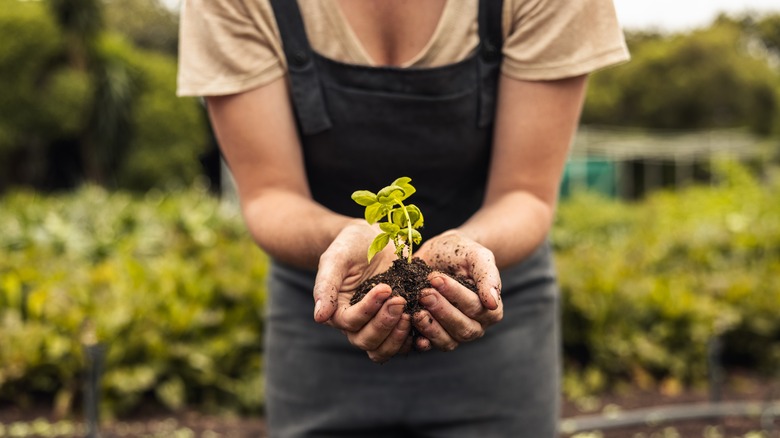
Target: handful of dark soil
(406, 280)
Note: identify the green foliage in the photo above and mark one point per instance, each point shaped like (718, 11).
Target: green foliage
(709, 78)
(147, 23)
(168, 132)
(80, 101)
(646, 286)
(170, 284)
(67, 108)
(30, 40)
(174, 288)
(82, 19)
(768, 29)
(402, 220)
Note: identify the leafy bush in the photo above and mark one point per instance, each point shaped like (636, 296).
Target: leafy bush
(647, 286)
(171, 285)
(115, 119)
(168, 132)
(715, 77)
(30, 40)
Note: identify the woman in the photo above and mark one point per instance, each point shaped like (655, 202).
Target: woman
(477, 101)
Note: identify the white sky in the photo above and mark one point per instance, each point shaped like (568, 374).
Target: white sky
(668, 15)
(681, 15)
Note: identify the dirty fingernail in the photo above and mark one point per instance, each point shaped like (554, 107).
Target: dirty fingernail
(437, 282)
(494, 293)
(428, 300)
(317, 307)
(396, 309)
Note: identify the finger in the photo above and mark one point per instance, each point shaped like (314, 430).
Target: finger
(353, 318)
(458, 326)
(421, 343)
(487, 276)
(394, 342)
(378, 329)
(431, 329)
(462, 298)
(459, 296)
(408, 343)
(327, 283)
(325, 301)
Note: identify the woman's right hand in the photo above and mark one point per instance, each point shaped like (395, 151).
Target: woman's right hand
(375, 324)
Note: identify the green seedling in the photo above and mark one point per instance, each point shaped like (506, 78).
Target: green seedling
(402, 220)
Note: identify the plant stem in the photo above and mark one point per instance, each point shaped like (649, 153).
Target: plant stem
(409, 233)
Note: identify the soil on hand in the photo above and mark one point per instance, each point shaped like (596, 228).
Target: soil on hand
(406, 280)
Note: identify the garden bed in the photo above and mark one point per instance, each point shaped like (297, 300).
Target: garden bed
(154, 421)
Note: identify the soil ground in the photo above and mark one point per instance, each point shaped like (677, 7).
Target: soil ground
(151, 422)
(739, 387)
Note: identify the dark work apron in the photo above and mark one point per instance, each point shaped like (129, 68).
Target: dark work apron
(360, 128)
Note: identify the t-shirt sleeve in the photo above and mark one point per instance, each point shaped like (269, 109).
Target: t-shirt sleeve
(555, 39)
(226, 47)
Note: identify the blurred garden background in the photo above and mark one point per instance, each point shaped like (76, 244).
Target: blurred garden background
(128, 282)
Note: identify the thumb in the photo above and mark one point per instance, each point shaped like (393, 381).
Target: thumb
(325, 300)
(327, 285)
(488, 279)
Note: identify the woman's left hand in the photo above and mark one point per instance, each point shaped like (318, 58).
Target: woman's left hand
(453, 313)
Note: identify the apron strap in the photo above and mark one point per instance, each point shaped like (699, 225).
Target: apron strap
(490, 43)
(304, 82)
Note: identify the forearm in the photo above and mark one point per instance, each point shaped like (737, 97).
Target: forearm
(535, 124)
(511, 226)
(257, 135)
(292, 228)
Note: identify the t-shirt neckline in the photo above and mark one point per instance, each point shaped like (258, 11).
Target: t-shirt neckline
(356, 46)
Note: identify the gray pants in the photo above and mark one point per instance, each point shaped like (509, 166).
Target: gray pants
(505, 384)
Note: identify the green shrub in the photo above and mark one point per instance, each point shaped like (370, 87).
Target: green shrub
(708, 78)
(171, 285)
(646, 286)
(116, 119)
(168, 133)
(30, 41)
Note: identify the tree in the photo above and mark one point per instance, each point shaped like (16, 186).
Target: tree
(105, 135)
(708, 78)
(769, 31)
(147, 23)
(765, 28)
(81, 104)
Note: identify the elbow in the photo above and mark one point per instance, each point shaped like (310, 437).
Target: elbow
(544, 210)
(251, 211)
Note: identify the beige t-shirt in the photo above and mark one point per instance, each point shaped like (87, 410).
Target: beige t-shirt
(229, 46)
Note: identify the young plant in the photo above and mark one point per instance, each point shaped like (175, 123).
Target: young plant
(402, 220)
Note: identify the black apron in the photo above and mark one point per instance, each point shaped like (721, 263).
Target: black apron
(360, 128)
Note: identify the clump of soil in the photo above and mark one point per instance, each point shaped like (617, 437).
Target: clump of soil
(407, 280)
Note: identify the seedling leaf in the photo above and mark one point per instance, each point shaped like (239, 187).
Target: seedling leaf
(389, 228)
(375, 212)
(415, 215)
(390, 194)
(364, 197)
(416, 236)
(403, 183)
(379, 243)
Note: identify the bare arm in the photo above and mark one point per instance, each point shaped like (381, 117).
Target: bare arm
(535, 125)
(257, 135)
